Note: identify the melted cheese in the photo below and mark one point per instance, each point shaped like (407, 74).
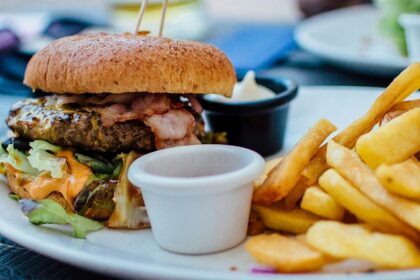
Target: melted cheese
(79, 175)
(69, 186)
(43, 185)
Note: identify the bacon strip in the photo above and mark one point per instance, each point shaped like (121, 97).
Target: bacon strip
(173, 128)
(149, 105)
(191, 139)
(171, 125)
(116, 113)
(140, 108)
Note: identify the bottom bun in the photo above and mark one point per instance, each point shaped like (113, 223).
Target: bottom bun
(16, 184)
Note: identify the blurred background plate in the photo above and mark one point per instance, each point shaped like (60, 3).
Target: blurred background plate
(350, 38)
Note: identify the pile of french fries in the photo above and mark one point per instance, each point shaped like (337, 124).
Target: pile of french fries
(354, 197)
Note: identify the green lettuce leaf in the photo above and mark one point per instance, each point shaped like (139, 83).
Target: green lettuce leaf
(41, 158)
(48, 211)
(81, 225)
(18, 160)
(44, 161)
(14, 196)
(45, 146)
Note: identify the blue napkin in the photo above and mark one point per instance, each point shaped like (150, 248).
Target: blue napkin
(255, 46)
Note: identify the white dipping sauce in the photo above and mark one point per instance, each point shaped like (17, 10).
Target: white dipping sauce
(247, 90)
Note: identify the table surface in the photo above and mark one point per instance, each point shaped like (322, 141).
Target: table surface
(19, 263)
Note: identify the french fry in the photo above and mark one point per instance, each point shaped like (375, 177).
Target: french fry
(399, 109)
(362, 207)
(406, 83)
(315, 167)
(351, 167)
(301, 238)
(406, 105)
(296, 193)
(255, 224)
(285, 254)
(359, 242)
(393, 142)
(309, 175)
(291, 221)
(401, 87)
(401, 178)
(322, 204)
(284, 176)
(269, 165)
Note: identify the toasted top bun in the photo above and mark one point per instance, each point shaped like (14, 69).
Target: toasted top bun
(111, 63)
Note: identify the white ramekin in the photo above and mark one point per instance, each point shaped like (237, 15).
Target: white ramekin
(411, 25)
(198, 198)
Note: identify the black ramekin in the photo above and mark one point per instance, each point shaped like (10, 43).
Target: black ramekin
(257, 125)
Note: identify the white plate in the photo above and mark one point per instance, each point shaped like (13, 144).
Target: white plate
(134, 254)
(350, 38)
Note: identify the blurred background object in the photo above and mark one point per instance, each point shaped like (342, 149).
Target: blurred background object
(240, 28)
(256, 34)
(389, 24)
(185, 19)
(314, 7)
(252, 11)
(8, 41)
(411, 25)
(352, 42)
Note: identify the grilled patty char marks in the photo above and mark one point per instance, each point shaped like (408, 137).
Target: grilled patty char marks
(77, 127)
(82, 127)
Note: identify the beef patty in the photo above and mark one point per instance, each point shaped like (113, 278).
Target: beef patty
(80, 128)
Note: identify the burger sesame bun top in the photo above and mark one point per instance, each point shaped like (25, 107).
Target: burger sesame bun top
(110, 63)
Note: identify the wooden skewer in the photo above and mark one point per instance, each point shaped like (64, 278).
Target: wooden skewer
(162, 18)
(143, 6)
(144, 3)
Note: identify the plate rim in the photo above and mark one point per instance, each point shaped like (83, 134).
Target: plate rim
(89, 261)
(327, 52)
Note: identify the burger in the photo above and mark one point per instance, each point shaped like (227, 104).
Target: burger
(106, 99)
